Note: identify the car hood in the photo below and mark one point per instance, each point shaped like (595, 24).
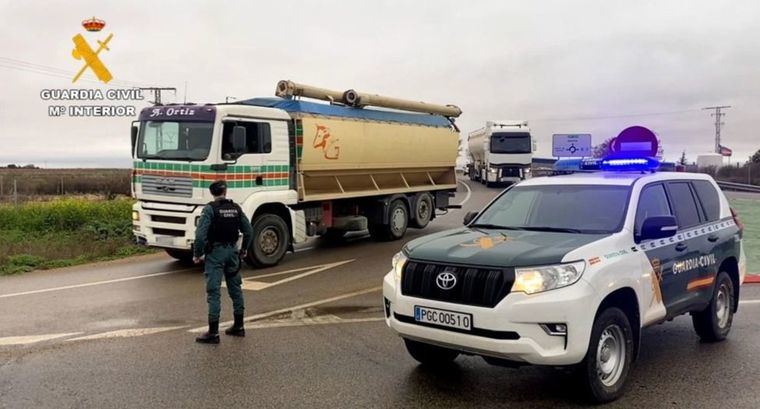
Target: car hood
(502, 248)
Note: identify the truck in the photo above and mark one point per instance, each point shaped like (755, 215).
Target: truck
(500, 152)
(299, 168)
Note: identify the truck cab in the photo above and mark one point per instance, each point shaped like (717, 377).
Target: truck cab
(179, 150)
(501, 152)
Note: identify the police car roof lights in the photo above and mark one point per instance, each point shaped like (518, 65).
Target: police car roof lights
(629, 164)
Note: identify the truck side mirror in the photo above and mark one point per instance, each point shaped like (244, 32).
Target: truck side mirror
(470, 216)
(135, 130)
(238, 140)
(658, 227)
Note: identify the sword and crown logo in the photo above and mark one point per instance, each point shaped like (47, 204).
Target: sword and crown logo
(83, 51)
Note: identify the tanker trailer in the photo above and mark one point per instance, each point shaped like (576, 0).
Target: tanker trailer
(298, 167)
(500, 152)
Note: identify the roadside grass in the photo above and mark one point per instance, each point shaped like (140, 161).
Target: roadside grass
(65, 232)
(749, 214)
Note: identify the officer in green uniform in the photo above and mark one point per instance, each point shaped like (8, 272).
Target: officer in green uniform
(216, 240)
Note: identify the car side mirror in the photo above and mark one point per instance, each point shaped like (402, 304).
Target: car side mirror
(135, 130)
(238, 139)
(658, 227)
(470, 216)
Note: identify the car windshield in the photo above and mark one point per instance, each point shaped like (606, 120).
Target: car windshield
(558, 208)
(169, 140)
(510, 142)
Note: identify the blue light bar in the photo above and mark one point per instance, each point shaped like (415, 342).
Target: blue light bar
(629, 164)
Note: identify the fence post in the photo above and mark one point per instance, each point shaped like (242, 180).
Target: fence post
(15, 193)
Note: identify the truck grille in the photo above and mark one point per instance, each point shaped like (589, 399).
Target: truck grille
(510, 172)
(480, 286)
(167, 186)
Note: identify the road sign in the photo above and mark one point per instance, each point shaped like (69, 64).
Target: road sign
(571, 145)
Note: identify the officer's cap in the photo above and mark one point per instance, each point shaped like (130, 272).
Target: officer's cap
(218, 188)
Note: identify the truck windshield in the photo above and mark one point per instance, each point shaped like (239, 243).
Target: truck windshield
(559, 208)
(511, 142)
(186, 141)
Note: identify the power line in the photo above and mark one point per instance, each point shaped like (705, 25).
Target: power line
(614, 116)
(157, 92)
(20, 65)
(718, 123)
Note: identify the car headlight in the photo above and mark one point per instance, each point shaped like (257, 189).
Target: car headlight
(398, 262)
(531, 280)
(135, 216)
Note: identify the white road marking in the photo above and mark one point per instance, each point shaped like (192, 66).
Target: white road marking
(469, 192)
(297, 307)
(31, 339)
(126, 333)
(749, 302)
(68, 287)
(321, 320)
(250, 284)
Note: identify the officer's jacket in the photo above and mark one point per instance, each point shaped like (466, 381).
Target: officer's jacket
(221, 221)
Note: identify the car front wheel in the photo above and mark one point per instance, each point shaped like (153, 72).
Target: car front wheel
(608, 360)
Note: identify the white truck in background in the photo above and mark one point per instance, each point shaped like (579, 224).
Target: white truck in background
(501, 152)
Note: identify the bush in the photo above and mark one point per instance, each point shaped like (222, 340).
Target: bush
(67, 215)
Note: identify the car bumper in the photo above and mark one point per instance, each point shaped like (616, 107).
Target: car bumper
(512, 330)
(167, 227)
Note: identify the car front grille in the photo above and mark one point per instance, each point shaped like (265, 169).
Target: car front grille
(479, 286)
(167, 186)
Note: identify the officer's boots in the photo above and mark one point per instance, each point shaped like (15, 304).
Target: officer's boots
(212, 336)
(237, 329)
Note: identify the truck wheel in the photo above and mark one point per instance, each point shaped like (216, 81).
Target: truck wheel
(431, 355)
(398, 220)
(183, 256)
(714, 323)
(423, 211)
(610, 351)
(271, 240)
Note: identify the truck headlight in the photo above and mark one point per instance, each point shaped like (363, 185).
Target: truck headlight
(398, 263)
(493, 170)
(531, 280)
(135, 216)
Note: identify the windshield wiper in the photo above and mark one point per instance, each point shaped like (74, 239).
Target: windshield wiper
(492, 226)
(551, 229)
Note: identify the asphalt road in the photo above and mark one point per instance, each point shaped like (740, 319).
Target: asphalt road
(121, 334)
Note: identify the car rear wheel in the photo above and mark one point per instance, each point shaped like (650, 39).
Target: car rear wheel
(430, 355)
(714, 323)
(605, 368)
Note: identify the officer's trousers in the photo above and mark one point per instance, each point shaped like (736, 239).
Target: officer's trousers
(223, 261)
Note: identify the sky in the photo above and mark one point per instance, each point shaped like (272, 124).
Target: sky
(566, 67)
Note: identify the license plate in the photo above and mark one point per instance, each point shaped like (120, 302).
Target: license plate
(443, 318)
(165, 240)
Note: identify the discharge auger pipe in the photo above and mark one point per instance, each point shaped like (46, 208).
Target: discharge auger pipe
(286, 88)
(358, 99)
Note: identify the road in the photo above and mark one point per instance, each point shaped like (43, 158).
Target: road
(120, 334)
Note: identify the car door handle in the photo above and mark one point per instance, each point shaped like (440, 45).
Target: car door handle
(713, 238)
(681, 247)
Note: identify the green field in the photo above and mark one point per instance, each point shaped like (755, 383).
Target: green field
(64, 232)
(749, 214)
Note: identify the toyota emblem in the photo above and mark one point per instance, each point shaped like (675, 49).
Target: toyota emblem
(446, 280)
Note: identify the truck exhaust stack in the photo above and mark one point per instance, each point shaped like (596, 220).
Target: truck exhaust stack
(357, 99)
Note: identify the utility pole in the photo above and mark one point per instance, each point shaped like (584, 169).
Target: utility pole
(718, 122)
(157, 92)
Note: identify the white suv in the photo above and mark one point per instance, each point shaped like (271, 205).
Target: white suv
(567, 270)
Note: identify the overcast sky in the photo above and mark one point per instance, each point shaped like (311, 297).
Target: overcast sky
(582, 66)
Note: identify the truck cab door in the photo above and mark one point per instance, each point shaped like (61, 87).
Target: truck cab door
(264, 161)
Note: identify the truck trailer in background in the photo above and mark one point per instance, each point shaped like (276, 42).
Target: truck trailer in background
(297, 168)
(500, 152)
